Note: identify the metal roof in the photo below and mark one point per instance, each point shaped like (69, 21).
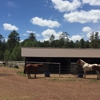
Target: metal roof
(59, 52)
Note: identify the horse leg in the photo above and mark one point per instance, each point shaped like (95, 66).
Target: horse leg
(84, 74)
(34, 74)
(29, 76)
(98, 74)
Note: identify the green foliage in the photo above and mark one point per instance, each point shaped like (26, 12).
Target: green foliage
(7, 55)
(87, 44)
(28, 43)
(77, 43)
(71, 44)
(13, 56)
(52, 38)
(32, 37)
(16, 53)
(13, 40)
(94, 38)
(82, 43)
(21, 73)
(46, 44)
(1, 54)
(2, 47)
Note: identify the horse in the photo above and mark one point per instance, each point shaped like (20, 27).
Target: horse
(31, 67)
(89, 67)
(2, 63)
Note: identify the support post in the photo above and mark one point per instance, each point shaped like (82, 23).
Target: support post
(59, 69)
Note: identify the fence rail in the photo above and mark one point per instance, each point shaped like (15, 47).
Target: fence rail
(13, 63)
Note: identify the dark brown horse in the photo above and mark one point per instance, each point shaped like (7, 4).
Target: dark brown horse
(97, 69)
(32, 67)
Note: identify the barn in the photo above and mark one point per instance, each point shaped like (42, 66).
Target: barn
(59, 60)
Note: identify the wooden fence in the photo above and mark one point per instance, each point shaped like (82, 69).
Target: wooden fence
(15, 63)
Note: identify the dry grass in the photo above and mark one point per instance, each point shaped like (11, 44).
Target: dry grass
(14, 85)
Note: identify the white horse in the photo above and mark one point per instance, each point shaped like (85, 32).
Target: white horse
(89, 67)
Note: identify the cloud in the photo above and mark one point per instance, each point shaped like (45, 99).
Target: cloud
(9, 15)
(83, 16)
(25, 34)
(76, 37)
(30, 31)
(47, 34)
(11, 4)
(47, 1)
(21, 41)
(86, 29)
(92, 2)
(64, 5)
(88, 35)
(9, 27)
(6, 39)
(43, 22)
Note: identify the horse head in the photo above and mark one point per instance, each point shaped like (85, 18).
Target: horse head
(78, 62)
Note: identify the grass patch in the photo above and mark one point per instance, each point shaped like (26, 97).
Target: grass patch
(21, 73)
(95, 80)
(62, 79)
(54, 79)
(7, 98)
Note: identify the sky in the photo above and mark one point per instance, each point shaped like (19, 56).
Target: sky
(46, 17)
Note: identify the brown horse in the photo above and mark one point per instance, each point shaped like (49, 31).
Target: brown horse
(32, 67)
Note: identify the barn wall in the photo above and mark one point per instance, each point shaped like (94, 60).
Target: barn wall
(67, 65)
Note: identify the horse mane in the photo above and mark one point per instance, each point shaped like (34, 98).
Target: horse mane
(82, 60)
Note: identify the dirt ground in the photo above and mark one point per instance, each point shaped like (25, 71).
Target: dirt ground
(15, 86)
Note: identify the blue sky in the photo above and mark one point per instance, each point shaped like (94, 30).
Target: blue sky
(47, 17)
